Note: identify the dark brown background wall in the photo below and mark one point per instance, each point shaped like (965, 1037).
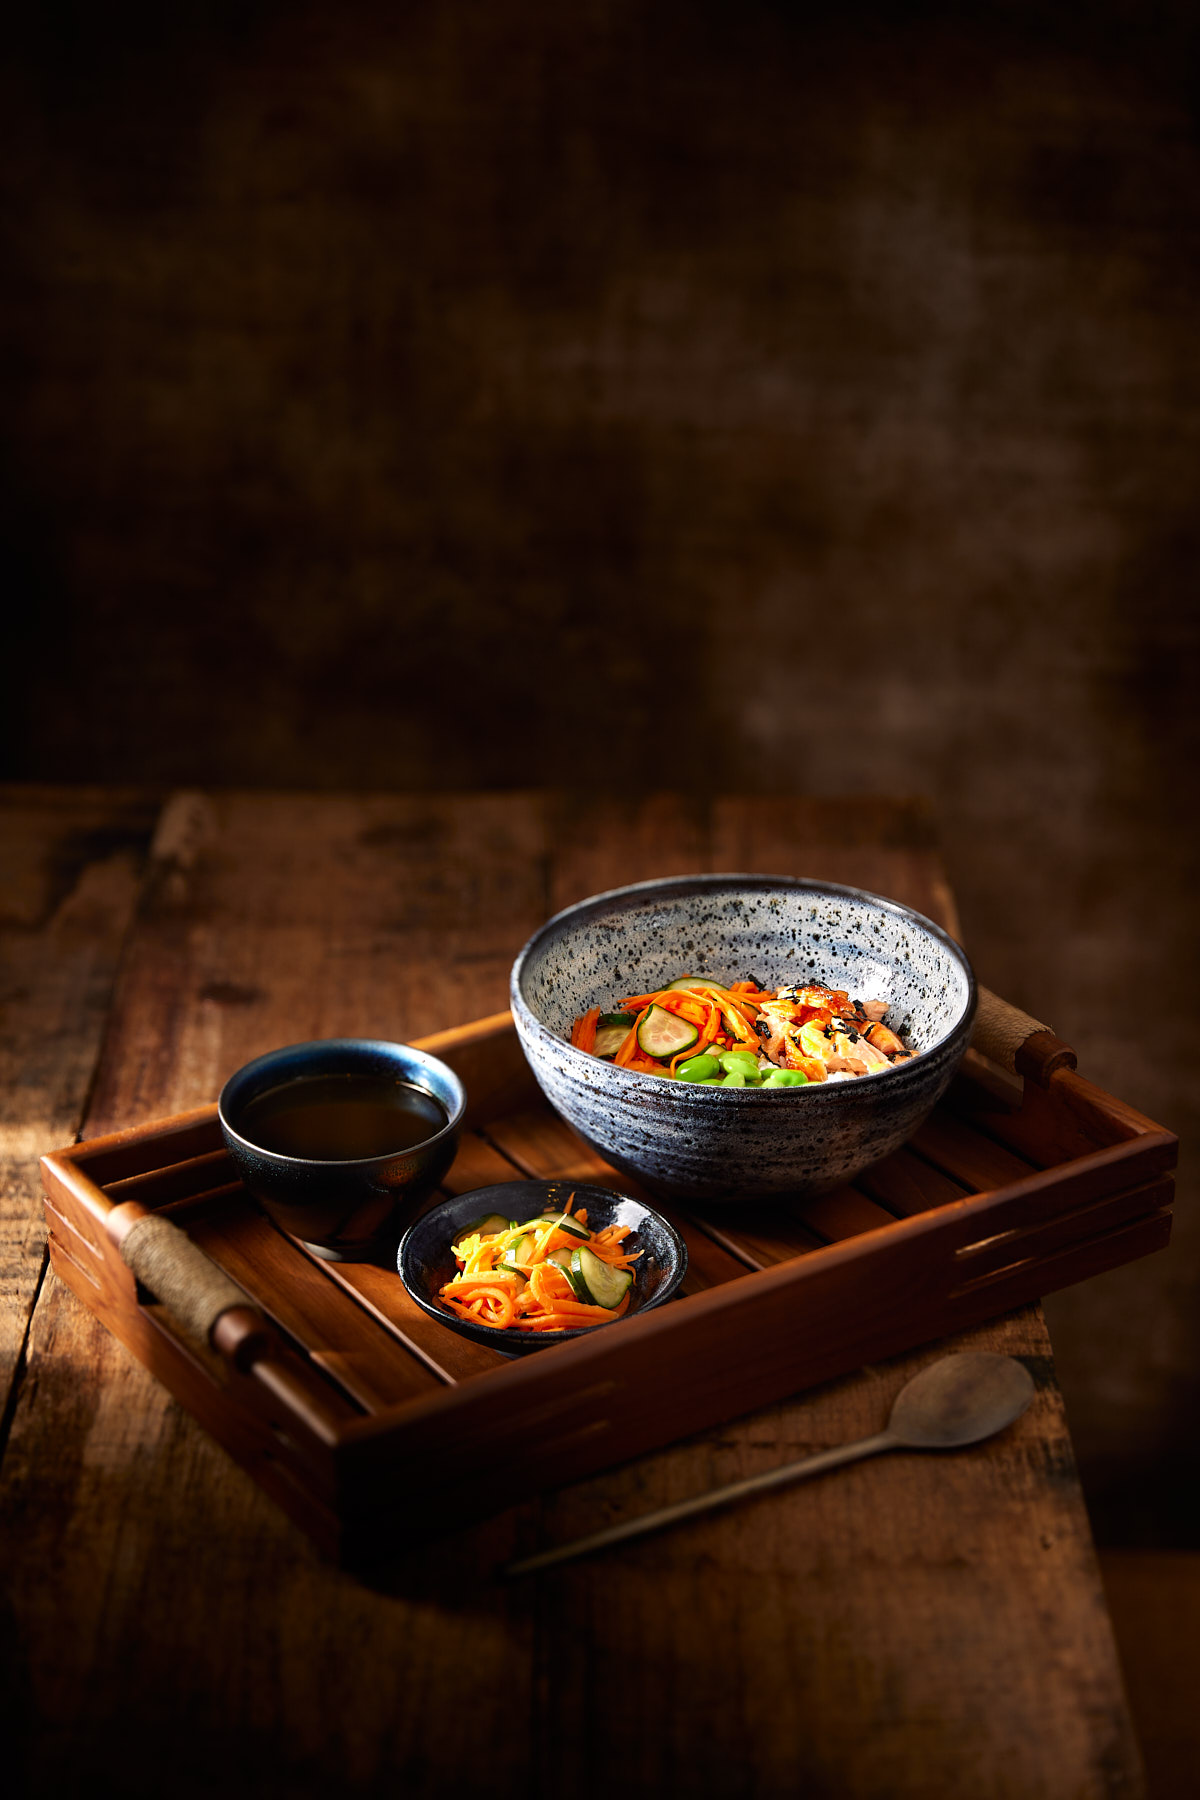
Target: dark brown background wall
(648, 394)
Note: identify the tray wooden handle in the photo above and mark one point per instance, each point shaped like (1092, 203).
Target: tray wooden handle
(177, 1272)
(214, 1309)
(1019, 1043)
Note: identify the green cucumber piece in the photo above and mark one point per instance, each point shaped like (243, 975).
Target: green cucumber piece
(598, 1283)
(488, 1226)
(625, 1019)
(609, 1038)
(566, 1222)
(664, 1034)
(561, 1258)
(693, 984)
(516, 1257)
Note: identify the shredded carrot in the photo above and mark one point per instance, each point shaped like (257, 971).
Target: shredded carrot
(536, 1296)
(584, 1035)
(629, 1049)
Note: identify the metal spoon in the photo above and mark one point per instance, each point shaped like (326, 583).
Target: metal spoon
(960, 1399)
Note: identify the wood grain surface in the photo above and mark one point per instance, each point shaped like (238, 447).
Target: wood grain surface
(921, 1626)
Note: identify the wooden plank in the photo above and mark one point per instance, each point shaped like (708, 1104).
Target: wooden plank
(602, 842)
(478, 1164)
(884, 846)
(761, 1234)
(906, 1184)
(446, 1356)
(846, 1213)
(70, 866)
(299, 917)
(967, 1155)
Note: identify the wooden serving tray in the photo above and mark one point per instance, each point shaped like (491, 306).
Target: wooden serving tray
(365, 1419)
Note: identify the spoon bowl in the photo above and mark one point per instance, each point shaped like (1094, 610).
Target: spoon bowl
(960, 1399)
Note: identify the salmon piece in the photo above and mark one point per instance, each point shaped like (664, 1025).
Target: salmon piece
(884, 1039)
(821, 1038)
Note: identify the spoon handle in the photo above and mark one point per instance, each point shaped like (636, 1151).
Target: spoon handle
(684, 1509)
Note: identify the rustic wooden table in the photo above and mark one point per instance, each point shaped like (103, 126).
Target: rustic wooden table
(918, 1626)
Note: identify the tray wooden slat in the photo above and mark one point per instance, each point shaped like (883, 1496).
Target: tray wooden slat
(978, 1214)
(906, 1184)
(969, 1156)
(448, 1357)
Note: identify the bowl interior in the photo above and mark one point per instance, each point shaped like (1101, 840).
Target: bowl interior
(733, 926)
(426, 1261)
(341, 1056)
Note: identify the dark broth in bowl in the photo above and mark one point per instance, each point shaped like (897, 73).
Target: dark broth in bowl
(341, 1118)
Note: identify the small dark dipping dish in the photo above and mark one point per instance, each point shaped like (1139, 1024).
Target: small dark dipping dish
(426, 1261)
(339, 1137)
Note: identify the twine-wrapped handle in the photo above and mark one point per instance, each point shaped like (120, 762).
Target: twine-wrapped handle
(1019, 1043)
(200, 1296)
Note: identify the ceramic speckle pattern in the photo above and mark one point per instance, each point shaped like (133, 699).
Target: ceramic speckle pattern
(426, 1260)
(729, 1144)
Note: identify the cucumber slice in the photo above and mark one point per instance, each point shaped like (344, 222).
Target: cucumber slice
(697, 984)
(561, 1258)
(609, 1038)
(516, 1257)
(598, 1283)
(663, 1034)
(488, 1226)
(625, 1019)
(567, 1222)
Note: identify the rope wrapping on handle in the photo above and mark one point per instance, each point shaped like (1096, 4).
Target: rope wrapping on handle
(180, 1274)
(1001, 1029)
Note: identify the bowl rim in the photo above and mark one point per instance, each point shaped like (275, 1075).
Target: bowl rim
(678, 886)
(481, 1334)
(260, 1065)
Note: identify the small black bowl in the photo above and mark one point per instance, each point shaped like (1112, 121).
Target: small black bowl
(342, 1210)
(426, 1261)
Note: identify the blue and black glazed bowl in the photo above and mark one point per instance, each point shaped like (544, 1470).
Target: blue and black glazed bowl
(342, 1210)
(426, 1260)
(730, 1144)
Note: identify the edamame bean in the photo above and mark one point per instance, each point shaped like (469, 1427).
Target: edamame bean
(786, 1078)
(698, 1068)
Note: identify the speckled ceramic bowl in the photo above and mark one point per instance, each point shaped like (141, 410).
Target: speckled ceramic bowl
(730, 1144)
